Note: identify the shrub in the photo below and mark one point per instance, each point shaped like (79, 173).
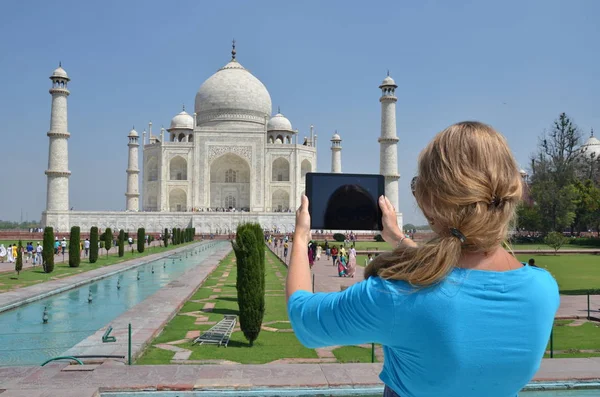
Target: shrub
(19, 262)
(555, 240)
(166, 237)
(93, 244)
(108, 239)
(379, 238)
(48, 250)
(121, 243)
(74, 248)
(259, 236)
(248, 283)
(339, 237)
(141, 237)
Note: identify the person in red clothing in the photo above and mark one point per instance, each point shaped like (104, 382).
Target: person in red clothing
(334, 254)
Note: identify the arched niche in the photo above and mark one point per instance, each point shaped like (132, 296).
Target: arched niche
(177, 200)
(178, 169)
(280, 170)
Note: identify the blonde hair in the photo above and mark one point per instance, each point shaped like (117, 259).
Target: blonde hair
(468, 180)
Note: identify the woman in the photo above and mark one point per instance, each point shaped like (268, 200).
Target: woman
(10, 255)
(327, 250)
(319, 251)
(342, 268)
(351, 262)
(450, 313)
(311, 256)
(334, 255)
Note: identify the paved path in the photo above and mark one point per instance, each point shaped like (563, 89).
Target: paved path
(85, 381)
(151, 315)
(327, 280)
(12, 299)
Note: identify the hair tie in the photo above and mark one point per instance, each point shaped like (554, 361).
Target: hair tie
(496, 201)
(456, 233)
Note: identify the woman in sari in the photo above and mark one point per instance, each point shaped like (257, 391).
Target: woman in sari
(351, 262)
(341, 266)
(311, 254)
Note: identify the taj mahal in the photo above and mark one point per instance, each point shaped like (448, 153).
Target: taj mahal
(229, 162)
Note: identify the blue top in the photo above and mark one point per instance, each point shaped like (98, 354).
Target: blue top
(477, 333)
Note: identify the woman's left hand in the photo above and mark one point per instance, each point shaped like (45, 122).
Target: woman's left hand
(303, 220)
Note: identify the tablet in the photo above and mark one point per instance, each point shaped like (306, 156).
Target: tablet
(344, 201)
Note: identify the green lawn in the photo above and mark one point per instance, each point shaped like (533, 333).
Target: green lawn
(271, 345)
(353, 354)
(572, 272)
(31, 276)
(570, 340)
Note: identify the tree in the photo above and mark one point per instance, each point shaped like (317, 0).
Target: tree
(48, 250)
(74, 248)
(260, 247)
(248, 282)
(166, 237)
(93, 244)
(141, 237)
(555, 240)
(528, 218)
(19, 262)
(121, 243)
(108, 239)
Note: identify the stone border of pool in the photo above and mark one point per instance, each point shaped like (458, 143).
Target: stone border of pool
(22, 296)
(90, 380)
(150, 316)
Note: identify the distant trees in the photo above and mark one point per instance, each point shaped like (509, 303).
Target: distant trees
(93, 244)
(555, 240)
(166, 237)
(48, 250)
(141, 239)
(108, 240)
(74, 248)
(19, 262)
(250, 282)
(121, 243)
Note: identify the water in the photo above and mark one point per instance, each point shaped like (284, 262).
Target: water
(26, 340)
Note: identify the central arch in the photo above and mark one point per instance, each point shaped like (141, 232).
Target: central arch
(177, 200)
(280, 201)
(230, 182)
(281, 170)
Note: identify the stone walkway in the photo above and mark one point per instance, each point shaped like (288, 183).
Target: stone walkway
(21, 296)
(86, 381)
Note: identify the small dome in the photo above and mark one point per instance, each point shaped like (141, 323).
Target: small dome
(182, 121)
(60, 72)
(278, 141)
(133, 133)
(388, 81)
(336, 137)
(592, 145)
(279, 123)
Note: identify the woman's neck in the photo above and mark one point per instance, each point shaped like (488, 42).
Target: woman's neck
(497, 259)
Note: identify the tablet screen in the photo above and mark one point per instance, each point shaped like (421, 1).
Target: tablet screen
(344, 201)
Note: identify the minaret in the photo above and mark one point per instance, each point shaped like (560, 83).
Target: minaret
(336, 153)
(57, 195)
(133, 171)
(388, 141)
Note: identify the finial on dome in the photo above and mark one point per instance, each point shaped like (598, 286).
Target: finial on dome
(388, 71)
(279, 110)
(183, 107)
(592, 133)
(233, 52)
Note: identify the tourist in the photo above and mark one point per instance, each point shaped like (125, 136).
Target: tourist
(334, 254)
(532, 262)
(86, 247)
(341, 267)
(56, 245)
(342, 251)
(38, 253)
(311, 256)
(63, 245)
(10, 255)
(3, 253)
(327, 250)
(351, 262)
(29, 252)
(369, 258)
(461, 292)
(319, 251)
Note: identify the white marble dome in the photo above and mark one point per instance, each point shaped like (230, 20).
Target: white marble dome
(133, 132)
(336, 137)
(182, 121)
(60, 72)
(233, 94)
(592, 145)
(388, 81)
(279, 123)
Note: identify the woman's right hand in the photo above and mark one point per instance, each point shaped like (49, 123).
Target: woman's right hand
(391, 233)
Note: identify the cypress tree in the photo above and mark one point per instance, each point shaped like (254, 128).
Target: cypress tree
(108, 239)
(48, 250)
(121, 243)
(193, 233)
(248, 283)
(260, 247)
(166, 237)
(141, 237)
(74, 248)
(93, 244)
(19, 262)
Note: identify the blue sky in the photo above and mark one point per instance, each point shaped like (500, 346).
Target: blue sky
(513, 64)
